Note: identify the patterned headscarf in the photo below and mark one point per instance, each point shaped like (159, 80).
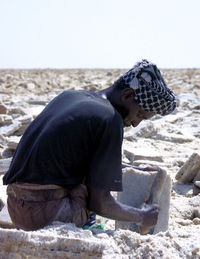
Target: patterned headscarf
(150, 90)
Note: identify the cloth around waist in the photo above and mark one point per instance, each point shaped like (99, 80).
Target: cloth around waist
(37, 192)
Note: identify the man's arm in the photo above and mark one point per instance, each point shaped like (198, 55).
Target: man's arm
(102, 203)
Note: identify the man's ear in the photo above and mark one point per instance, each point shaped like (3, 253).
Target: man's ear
(127, 94)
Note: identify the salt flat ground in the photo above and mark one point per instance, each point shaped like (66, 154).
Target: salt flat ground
(164, 141)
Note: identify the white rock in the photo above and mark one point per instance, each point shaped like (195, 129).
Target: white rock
(188, 100)
(16, 110)
(39, 101)
(30, 86)
(2, 140)
(145, 130)
(35, 110)
(25, 120)
(134, 153)
(4, 165)
(10, 129)
(5, 119)
(175, 138)
(197, 183)
(190, 169)
(174, 118)
(188, 190)
(13, 141)
(149, 163)
(3, 109)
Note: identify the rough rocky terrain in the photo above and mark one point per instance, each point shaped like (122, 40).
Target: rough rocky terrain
(164, 141)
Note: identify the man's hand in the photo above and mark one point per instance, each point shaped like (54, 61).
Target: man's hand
(149, 214)
(102, 203)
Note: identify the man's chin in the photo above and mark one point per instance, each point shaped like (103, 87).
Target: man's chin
(127, 124)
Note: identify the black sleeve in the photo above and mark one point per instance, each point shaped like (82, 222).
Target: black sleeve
(105, 168)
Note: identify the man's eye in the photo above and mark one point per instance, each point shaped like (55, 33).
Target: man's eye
(139, 116)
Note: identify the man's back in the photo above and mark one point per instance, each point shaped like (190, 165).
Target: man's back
(59, 145)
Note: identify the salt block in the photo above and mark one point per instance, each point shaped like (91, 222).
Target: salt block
(189, 170)
(136, 189)
(134, 154)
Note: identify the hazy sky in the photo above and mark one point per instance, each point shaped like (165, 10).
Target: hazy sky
(99, 33)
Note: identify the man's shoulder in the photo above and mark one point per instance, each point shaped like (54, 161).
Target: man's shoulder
(91, 102)
(89, 105)
(102, 108)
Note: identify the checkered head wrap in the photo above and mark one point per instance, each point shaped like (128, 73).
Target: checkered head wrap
(150, 90)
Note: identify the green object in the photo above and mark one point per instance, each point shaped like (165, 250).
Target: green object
(96, 225)
(92, 223)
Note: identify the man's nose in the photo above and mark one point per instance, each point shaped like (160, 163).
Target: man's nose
(137, 122)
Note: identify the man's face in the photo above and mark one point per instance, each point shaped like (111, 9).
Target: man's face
(131, 112)
(135, 115)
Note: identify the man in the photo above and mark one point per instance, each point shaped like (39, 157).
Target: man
(69, 158)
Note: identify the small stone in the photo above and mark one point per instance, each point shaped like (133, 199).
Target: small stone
(109, 74)
(184, 222)
(16, 110)
(196, 221)
(3, 109)
(2, 140)
(10, 129)
(196, 213)
(13, 141)
(38, 101)
(197, 177)
(189, 170)
(30, 86)
(197, 183)
(184, 189)
(5, 119)
(26, 119)
(7, 153)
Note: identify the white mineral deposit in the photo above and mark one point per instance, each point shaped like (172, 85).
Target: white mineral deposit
(171, 142)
